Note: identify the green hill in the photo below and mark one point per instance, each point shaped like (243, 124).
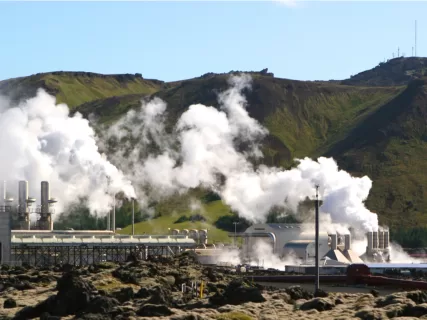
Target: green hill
(75, 88)
(374, 124)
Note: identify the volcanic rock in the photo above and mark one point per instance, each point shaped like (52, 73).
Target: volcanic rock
(9, 303)
(320, 304)
(237, 293)
(297, 293)
(152, 310)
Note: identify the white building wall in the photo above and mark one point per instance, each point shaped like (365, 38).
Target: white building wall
(284, 233)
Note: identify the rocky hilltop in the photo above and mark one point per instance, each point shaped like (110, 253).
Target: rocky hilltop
(395, 72)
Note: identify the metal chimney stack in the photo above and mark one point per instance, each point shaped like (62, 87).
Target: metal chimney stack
(334, 242)
(380, 239)
(23, 212)
(45, 221)
(4, 193)
(375, 240)
(347, 242)
(386, 239)
(369, 248)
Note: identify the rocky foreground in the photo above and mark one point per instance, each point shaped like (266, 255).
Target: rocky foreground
(153, 290)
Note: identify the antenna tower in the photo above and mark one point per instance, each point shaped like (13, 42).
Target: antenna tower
(415, 37)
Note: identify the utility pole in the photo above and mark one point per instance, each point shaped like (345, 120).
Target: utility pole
(133, 216)
(235, 232)
(114, 214)
(316, 285)
(108, 220)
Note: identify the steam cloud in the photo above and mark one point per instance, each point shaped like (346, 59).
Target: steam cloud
(208, 156)
(40, 141)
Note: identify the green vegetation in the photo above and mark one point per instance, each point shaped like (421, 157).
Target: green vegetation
(234, 315)
(373, 124)
(76, 88)
(212, 211)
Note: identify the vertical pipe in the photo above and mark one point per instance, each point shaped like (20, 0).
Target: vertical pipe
(133, 216)
(386, 239)
(316, 287)
(334, 242)
(44, 197)
(380, 239)
(347, 242)
(23, 196)
(375, 240)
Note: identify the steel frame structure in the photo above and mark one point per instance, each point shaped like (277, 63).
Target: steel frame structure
(81, 255)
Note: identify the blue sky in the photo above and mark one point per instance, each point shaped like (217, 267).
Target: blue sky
(178, 40)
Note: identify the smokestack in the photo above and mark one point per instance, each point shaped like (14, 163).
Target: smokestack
(370, 241)
(4, 193)
(386, 239)
(23, 201)
(375, 240)
(334, 242)
(23, 196)
(45, 222)
(347, 242)
(380, 239)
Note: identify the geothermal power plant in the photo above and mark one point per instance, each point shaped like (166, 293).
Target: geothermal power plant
(38, 244)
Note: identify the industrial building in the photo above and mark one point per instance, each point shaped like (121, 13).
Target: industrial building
(298, 241)
(37, 245)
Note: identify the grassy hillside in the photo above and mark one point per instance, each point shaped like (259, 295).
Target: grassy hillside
(213, 211)
(391, 147)
(75, 88)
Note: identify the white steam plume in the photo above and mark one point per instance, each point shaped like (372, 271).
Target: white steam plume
(209, 155)
(41, 141)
